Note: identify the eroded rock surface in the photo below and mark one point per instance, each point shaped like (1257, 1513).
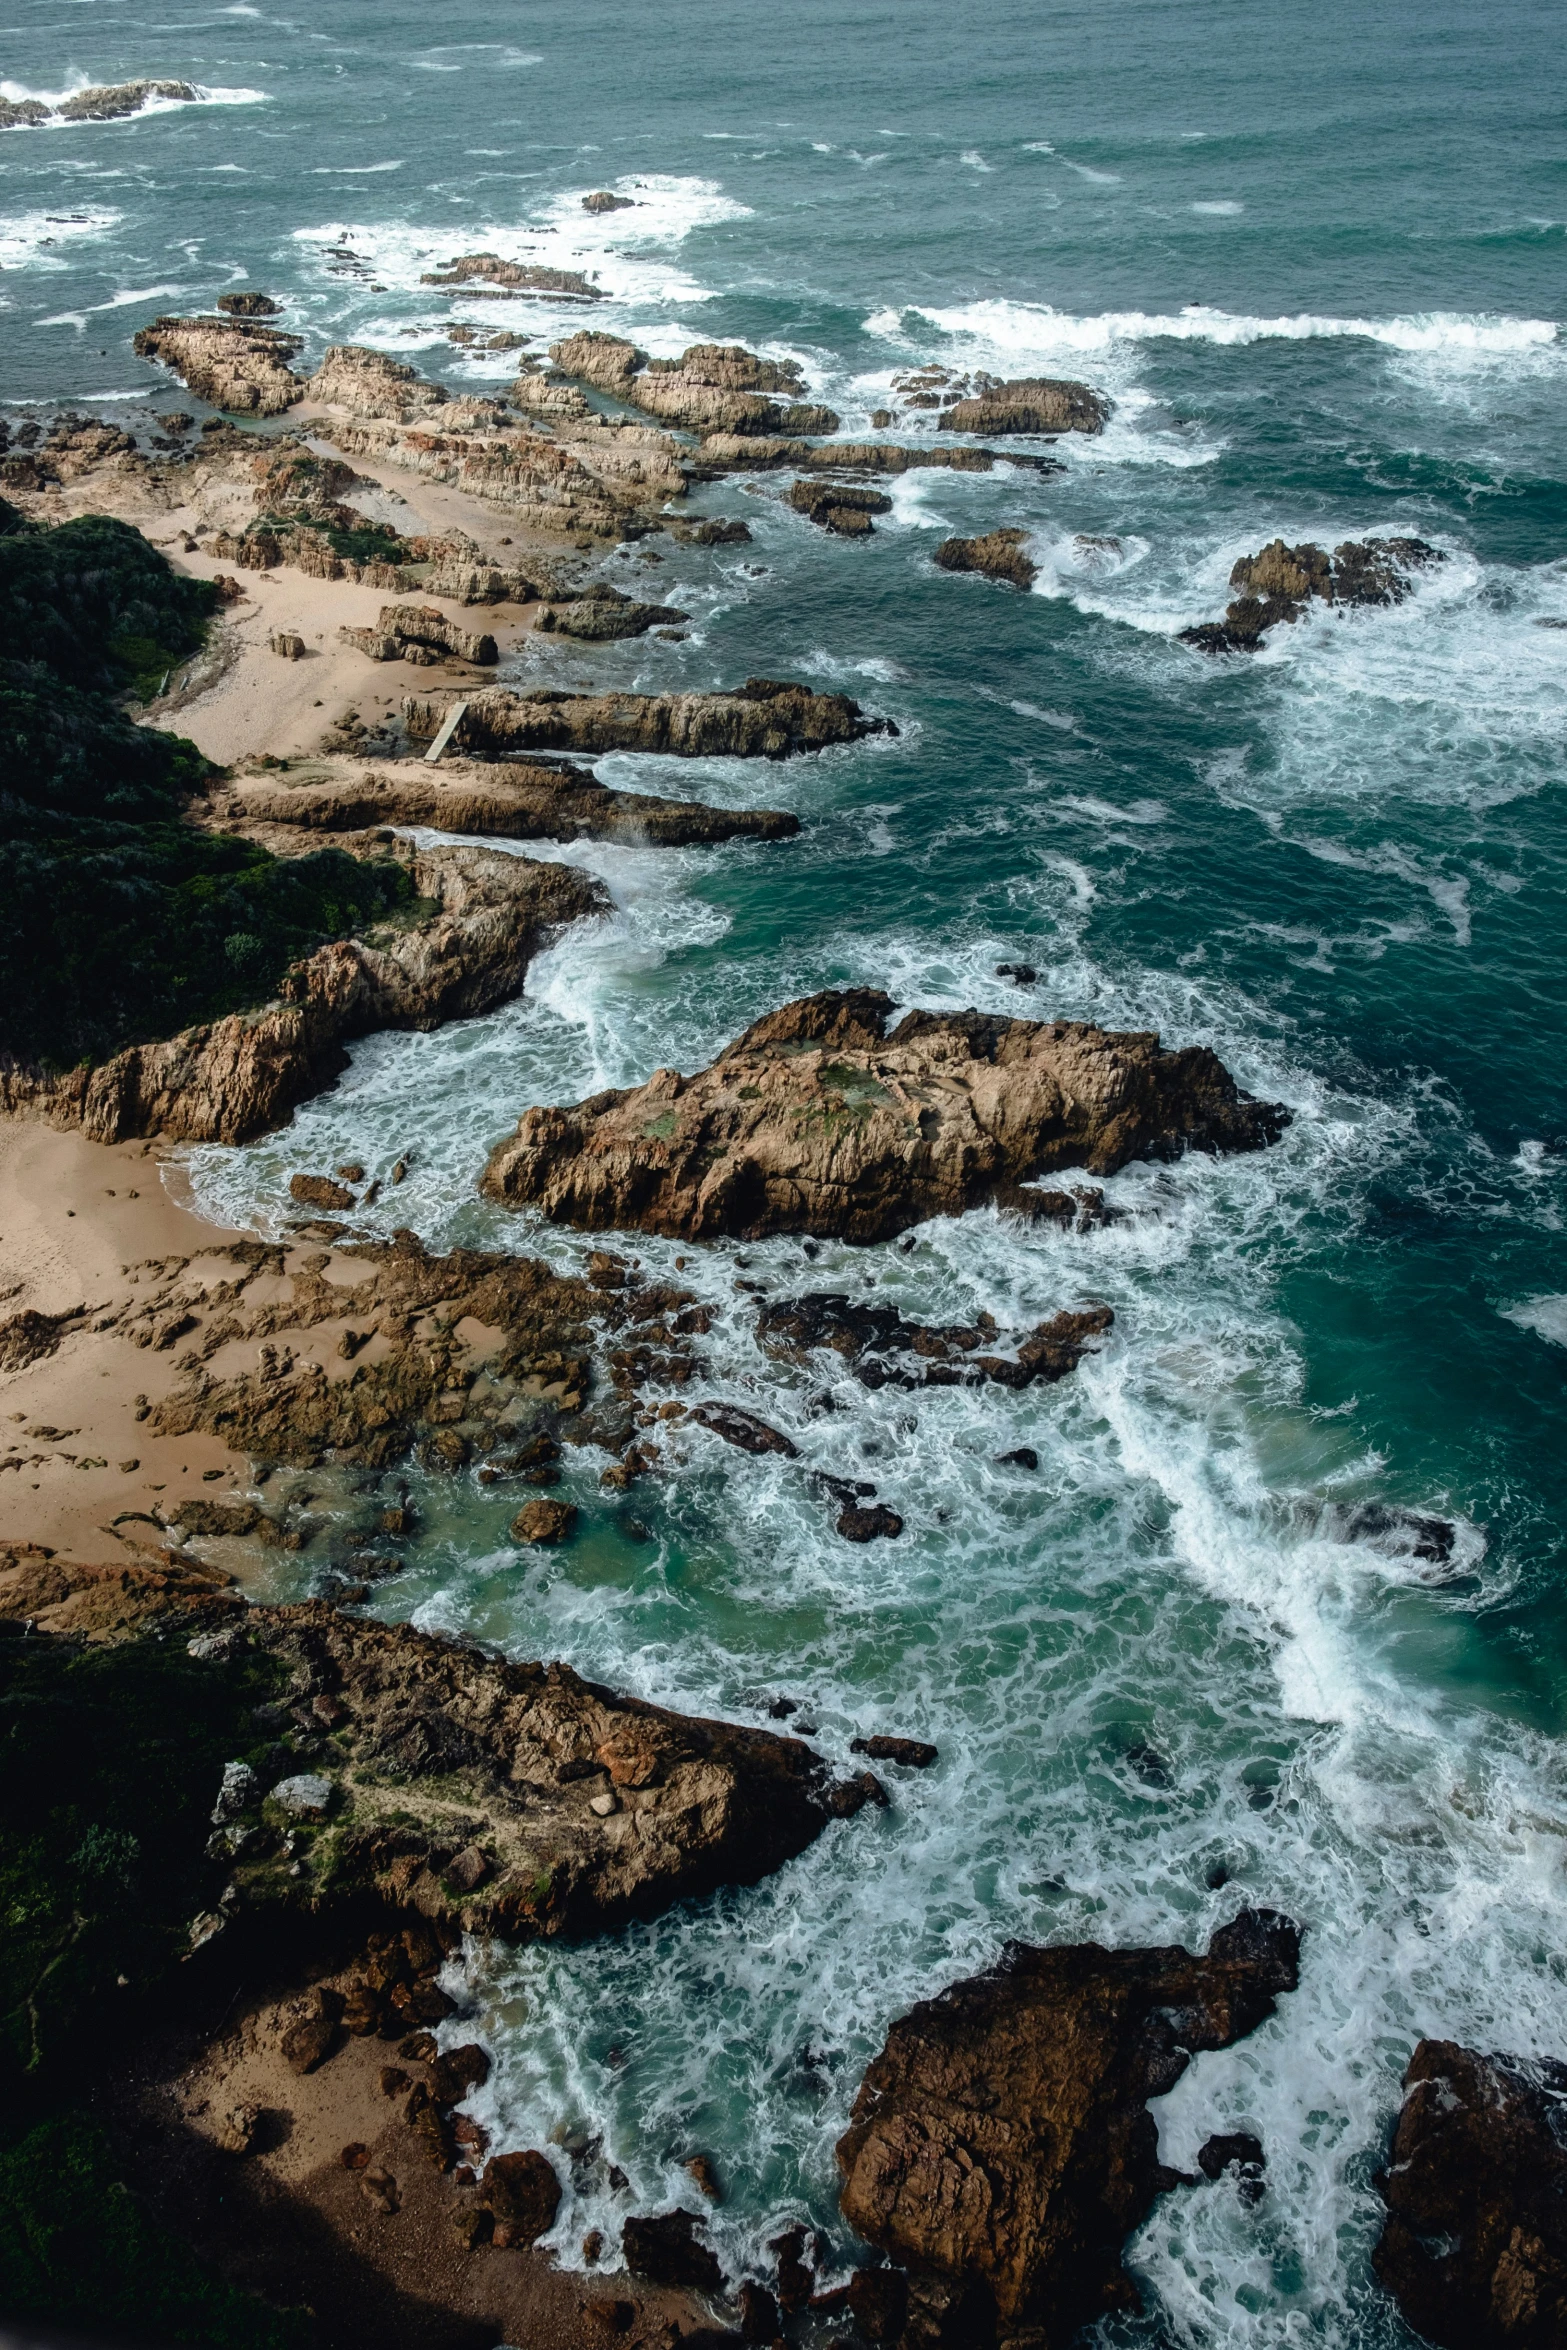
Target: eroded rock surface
(516, 800)
(1475, 2245)
(235, 363)
(762, 719)
(817, 1120)
(1278, 584)
(838, 506)
(711, 387)
(237, 1077)
(999, 555)
(1029, 404)
(1001, 2149)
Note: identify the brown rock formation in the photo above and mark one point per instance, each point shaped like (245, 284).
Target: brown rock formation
(886, 1351)
(405, 630)
(711, 387)
(234, 363)
(604, 614)
(735, 453)
(762, 719)
(595, 477)
(1029, 404)
(999, 555)
(165, 1589)
(836, 506)
(1475, 2246)
(365, 382)
(441, 1750)
(1277, 585)
(522, 277)
(250, 305)
(106, 103)
(816, 1120)
(73, 447)
(1001, 2148)
(541, 800)
(604, 200)
(239, 1076)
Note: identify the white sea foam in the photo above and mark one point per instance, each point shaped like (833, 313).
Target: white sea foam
(1545, 1315)
(28, 239)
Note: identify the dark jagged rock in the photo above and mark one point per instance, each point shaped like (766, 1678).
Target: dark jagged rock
(838, 507)
(1475, 2245)
(744, 1429)
(666, 2250)
(913, 1753)
(1238, 2151)
(249, 305)
(604, 200)
(521, 277)
(887, 1351)
(522, 2191)
(1278, 584)
(762, 719)
(999, 555)
(817, 1120)
(1001, 2149)
(1029, 404)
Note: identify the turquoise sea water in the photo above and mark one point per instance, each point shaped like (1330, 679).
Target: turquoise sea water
(1318, 264)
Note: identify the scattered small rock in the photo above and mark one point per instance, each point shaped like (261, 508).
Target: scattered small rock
(914, 1753)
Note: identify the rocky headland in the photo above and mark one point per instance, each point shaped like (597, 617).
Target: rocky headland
(1278, 584)
(1001, 2149)
(820, 1120)
(480, 917)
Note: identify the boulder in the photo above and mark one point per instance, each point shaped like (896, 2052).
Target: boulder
(999, 555)
(544, 1521)
(762, 719)
(604, 614)
(913, 1753)
(1474, 2249)
(522, 2191)
(287, 645)
(603, 200)
(666, 2250)
(118, 99)
(818, 1120)
(305, 1796)
(244, 306)
(744, 1429)
(405, 628)
(1000, 2148)
(1029, 404)
(320, 1191)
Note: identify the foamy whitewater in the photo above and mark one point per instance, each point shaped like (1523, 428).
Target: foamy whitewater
(1171, 1670)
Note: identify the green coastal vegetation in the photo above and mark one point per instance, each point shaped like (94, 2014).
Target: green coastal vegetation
(124, 922)
(110, 1758)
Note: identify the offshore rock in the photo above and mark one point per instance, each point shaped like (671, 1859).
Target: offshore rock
(1029, 404)
(734, 452)
(817, 1120)
(603, 614)
(1277, 585)
(250, 305)
(886, 1351)
(106, 103)
(603, 200)
(239, 1076)
(1000, 2147)
(234, 363)
(518, 801)
(762, 719)
(838, 507)
(1475, 2246)
(711, 387)
(523, 277)
(999, 555)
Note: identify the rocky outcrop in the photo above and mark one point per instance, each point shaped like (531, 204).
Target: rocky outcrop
(604, 200)
(1278, 584)
(602, 615)
(999, 555)
(73, 447)
(1001, 2150)
(513, 277)
(817, 1120)
(839, 507)
(235, 363)
(250, 305)
(164, 1590)
(1029, 404)
(1475, 2246)
(762, 719)
(884, 1350)
(734, 453)
(365, 382)
(242, 1075)
(421, 633)
(462, 1787)
(597, 478)
(540, 801)
(110, 102)
(711, 387)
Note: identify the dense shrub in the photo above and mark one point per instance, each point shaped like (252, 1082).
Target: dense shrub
(123, 923)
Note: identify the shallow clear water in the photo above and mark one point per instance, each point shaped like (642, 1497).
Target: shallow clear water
(1318, 265)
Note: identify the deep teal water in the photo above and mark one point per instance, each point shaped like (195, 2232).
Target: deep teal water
(1318, 264)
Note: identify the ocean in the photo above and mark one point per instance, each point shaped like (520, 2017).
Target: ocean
(1205, 1653)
